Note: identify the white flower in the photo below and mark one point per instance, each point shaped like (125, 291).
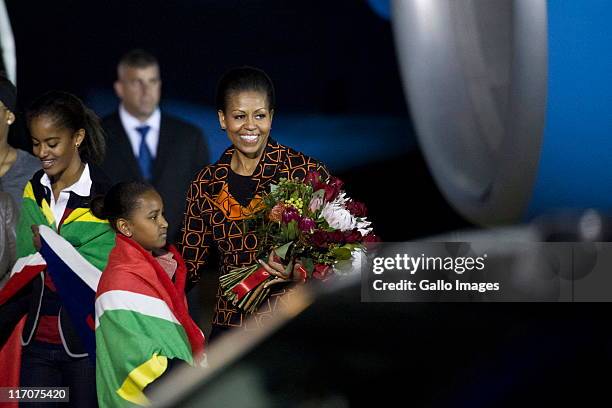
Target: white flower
(350, 266)
(337, 216)
(363, 226)
(341, 199)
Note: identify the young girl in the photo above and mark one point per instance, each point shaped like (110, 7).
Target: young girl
(68, 140)
(142, 321)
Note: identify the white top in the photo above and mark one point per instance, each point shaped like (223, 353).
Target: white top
(82, 187)
(130, 123)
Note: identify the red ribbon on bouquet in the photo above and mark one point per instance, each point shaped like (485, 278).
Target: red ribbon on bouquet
(250, 282)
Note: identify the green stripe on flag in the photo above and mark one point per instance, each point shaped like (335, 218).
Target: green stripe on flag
(125, 340)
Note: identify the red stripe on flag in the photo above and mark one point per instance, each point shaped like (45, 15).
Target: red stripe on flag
(10, 360)
(19, 280)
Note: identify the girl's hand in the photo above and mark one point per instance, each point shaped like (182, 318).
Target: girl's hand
(35, 237)
(274, 267)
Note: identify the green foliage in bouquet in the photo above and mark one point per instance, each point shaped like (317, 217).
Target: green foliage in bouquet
(310, 222)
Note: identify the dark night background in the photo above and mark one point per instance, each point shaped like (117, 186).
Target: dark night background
(334, 68)
(333, 64)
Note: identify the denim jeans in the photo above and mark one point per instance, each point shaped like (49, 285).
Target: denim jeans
(48, 365)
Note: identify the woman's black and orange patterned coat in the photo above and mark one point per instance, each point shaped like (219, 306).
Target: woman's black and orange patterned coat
(214, 222)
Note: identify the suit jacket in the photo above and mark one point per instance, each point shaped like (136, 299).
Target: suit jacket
(181, 153)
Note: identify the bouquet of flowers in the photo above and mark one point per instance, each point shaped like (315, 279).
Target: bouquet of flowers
(311, 223)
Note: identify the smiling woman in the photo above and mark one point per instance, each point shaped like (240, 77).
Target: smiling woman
(58, 336)
(225, 194)
(248, 122)
(66, 135)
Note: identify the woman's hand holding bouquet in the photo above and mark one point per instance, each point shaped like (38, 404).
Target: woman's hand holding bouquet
(307, 229)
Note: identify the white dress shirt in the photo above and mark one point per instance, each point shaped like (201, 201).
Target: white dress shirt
(82, 187)
(130, 123)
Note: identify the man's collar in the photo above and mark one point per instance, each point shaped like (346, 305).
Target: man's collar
(82, 187)
(131, 122)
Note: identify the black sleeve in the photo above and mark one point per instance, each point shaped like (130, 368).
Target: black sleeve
(12, 311)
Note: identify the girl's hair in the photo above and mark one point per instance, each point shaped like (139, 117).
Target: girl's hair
(119, 202)
(69, 112)
(244, 79)
(8, 93)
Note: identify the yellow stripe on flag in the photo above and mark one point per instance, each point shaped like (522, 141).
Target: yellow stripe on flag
(140, 377)
(46, 210)
(28, 192)
(83, 215)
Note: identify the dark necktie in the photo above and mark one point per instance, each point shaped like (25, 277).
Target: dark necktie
(144, 155)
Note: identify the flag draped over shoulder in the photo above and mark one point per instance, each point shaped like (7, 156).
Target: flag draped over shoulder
(141, 321)
(76, 281)
(92, 237)
(74, 258)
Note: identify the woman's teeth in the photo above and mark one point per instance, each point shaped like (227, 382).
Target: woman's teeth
(248, 138)
(47, 163)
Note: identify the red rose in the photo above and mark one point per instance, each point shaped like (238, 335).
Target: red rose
(330, 192)
(312, 178)
(357, 208)
(336, 237)
(336, 183)
(319, 239)
(352, 236)
(371, 239)
(322, 272)
(332, 188)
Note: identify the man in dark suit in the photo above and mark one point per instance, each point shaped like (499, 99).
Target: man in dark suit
(144, 144)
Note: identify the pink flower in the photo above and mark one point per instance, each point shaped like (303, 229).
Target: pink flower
(290, 214)
(315, 204)
(307, 224)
